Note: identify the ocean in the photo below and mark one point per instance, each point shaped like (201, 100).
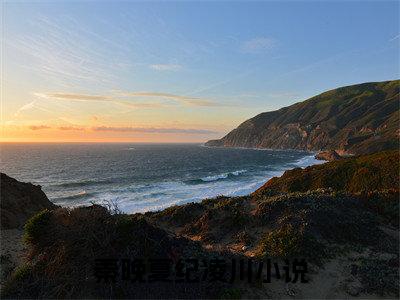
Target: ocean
(144, 177)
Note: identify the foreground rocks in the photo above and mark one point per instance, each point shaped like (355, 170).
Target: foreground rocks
(329, 155)
(20, 201)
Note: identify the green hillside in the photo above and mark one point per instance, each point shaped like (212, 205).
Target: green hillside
(357, 119)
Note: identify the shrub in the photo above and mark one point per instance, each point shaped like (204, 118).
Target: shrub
(288, 242)
(35, 226)
(384, 203)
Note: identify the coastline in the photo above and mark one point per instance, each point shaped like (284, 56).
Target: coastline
(218, 180)
(148, 177)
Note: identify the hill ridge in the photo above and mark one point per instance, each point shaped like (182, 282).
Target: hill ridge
(357, 119)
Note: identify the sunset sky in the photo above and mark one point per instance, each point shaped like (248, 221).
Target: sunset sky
(180, 72)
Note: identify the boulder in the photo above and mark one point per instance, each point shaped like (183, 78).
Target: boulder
(329, 155)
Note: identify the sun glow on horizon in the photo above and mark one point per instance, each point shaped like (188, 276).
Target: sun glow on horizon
(143, 72)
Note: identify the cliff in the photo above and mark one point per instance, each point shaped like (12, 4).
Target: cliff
(20, 201)
(356, 119)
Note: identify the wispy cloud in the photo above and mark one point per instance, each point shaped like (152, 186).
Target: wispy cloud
(394, 38)
(95, 98)
(76, 96)
(32, 105)
(153, 130)
(127, 129)
(24, 107)
(195, 101)
(166, 67)
(39, 127)
(70, 128)
(115, 98)
(258, 45)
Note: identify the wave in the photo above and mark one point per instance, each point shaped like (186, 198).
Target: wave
(75, 196)
(216, 177)
(307, 161)
(80, 183)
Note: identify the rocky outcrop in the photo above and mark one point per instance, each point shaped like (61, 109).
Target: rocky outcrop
(328, 155)
(357, 119)
(20, 201)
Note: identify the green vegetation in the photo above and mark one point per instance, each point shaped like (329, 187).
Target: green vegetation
(36, 226)
(64, 244)
(22, 272)
(290, 242)
(378, 171)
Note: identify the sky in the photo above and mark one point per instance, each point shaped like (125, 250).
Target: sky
(99, 71)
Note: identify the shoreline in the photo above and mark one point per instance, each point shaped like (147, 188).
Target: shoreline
(236, 191)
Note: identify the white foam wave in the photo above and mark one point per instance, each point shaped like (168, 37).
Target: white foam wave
(307, 161)
(156, 196)
(223, 175)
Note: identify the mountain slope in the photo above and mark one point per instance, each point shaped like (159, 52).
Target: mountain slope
(358, 119)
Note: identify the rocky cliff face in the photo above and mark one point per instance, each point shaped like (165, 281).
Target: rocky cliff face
(20, 201)
(356, 119)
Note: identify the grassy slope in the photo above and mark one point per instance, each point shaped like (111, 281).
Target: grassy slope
(376, 171)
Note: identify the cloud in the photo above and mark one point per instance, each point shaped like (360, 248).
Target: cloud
(27, 106)
(183, 99)
(394, 38)
(94, 98)
(78, 97)
(191, 101)
(127, 129)
(70, 128)
(153, 130)
(166, 67)
(31, 105)
(258, 45)
(39, 127)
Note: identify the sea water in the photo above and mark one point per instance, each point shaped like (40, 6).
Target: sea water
(144, 177)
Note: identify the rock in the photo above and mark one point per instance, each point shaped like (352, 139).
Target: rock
(20, 201)
(290, 290)
(244, 248)
(329, 155)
